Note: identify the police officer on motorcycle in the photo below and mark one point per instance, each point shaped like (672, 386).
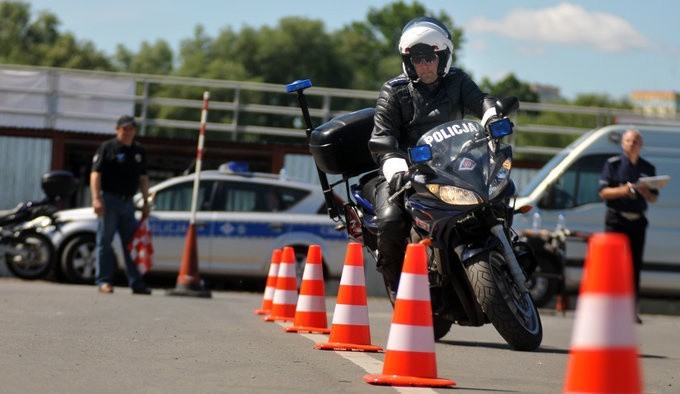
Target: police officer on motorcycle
(429, 92)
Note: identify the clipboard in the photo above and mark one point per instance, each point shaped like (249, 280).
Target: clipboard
(653, 182)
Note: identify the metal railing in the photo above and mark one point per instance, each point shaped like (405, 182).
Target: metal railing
(143, 100)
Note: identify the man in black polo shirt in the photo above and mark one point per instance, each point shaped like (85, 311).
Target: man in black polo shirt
(118, 171)
(626, 201)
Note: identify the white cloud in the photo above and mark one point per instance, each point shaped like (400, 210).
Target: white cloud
(567, 24)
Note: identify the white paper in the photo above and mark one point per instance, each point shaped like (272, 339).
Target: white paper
(654, 182)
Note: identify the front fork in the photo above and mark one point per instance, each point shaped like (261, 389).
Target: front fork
(510, 259)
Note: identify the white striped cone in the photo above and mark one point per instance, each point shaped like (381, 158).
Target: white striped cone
(310, 313)
(410, 358)
(350, 329)
(603, 354)
(285, 294)
(270, 286)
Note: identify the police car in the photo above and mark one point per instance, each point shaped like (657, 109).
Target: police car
(241, 217)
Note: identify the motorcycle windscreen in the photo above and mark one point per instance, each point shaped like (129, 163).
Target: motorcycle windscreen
(460, 153)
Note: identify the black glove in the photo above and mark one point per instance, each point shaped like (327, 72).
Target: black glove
(399, 179)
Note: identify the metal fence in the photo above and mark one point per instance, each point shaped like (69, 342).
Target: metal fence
(54, 96)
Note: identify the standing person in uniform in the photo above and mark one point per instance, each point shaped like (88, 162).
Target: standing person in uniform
(118, 171)
(429, 92)
(627, 202)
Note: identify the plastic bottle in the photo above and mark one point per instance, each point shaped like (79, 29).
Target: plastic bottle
(561, 222)
(536, 221)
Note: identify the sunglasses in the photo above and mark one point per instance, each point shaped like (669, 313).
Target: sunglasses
(424, 59)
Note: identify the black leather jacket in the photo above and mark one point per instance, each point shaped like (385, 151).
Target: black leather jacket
(406, 110)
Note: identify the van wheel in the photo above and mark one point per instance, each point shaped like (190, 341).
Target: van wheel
(78, 261)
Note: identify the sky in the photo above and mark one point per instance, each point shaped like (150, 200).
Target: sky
(607, 47)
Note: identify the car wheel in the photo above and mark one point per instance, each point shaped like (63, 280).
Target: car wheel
(78, 261)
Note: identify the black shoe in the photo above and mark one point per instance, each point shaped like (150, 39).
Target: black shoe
(142, 290)
(637, 319)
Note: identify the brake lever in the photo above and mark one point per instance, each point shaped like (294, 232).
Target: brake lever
(392, 199)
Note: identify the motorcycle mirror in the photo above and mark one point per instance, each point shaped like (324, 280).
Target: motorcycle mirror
(420, 154)
(507, 105)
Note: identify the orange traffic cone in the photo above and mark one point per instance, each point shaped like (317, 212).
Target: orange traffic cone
(562, 303)
(310, 313)
(410, 358)
(350, 329)
(270, 286)
(189, 281)
(285, 294)
(603, 355)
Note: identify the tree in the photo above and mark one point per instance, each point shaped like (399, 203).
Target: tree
(40, 43)
(154, 58)
(510, 86)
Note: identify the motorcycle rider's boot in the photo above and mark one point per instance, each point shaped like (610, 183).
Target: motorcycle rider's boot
(390, 274)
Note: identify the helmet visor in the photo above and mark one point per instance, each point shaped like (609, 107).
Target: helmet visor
(423, 59)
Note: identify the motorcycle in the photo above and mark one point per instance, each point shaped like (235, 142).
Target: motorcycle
(458, 196)
(548, 280)
(28, 251)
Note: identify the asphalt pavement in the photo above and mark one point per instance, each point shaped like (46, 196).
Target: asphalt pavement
(59, 338)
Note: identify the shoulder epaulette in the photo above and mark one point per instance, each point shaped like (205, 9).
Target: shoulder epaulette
(614, 159)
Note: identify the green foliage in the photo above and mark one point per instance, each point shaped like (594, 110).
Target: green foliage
(39, 42)
(510, 86)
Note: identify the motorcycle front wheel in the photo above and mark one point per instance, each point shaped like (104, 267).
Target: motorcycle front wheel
(33, 257)
(511, 312)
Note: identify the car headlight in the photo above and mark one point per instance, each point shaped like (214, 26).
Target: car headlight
(454, 195)
(501, 179)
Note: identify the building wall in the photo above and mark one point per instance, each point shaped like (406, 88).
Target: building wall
(23, 161)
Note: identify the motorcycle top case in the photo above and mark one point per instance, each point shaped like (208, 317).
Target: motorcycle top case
(340, 146)
(59, 184)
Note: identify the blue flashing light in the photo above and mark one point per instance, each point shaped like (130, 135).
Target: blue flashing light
(234, 167)
(500, 128)
(420, 153)
(300, 84)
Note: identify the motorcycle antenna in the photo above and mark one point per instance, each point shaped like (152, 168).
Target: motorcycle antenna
(299, 86)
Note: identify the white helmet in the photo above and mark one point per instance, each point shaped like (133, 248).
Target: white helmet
(424, 36)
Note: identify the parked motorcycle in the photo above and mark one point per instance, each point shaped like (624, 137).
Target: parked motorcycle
(28, 252)
(458, 196)
(548, 280)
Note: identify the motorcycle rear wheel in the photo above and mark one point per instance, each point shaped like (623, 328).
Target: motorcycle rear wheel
(512, 313)
(39, 253)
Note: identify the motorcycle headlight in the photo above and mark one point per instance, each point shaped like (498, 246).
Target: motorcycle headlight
(454, 195)
(501, 179)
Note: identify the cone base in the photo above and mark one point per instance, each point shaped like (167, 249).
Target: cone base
(320, 330)
(189, 291)
(395, 380)
(271, 318)
(261, 311)
(347, 347)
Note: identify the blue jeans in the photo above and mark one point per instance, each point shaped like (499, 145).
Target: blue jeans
(119, 216)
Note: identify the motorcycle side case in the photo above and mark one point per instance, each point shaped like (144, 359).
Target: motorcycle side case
(59, 184)
(340, 146)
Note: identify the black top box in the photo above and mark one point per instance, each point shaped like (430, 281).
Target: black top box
(59, 184)
(340, 146)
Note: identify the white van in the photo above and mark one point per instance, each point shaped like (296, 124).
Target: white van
(568, 185)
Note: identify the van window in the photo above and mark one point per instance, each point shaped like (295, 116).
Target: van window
(577, 186)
